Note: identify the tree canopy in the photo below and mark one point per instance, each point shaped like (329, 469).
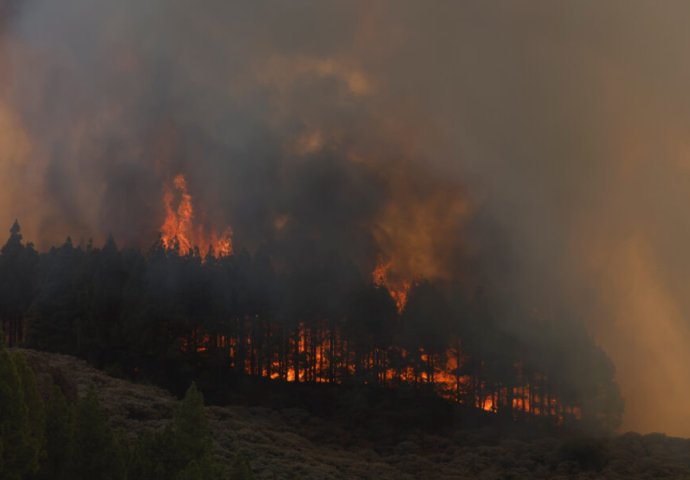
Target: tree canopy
(168, 318)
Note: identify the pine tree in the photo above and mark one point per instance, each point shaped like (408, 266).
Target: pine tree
(191, 472)
(192, 436)
(16, 455)
(153, 456)
(97, 453)
(182, 451)
(59, 438)
(35, 411)
(17, 278)
(241, 470)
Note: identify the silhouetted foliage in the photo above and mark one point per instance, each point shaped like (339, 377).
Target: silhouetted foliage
(241, 469)
(50, 438)
(170, 319)
(588, 453)
(59, 438)
(17, 284)
(97, 452)
(183, 450)
(17, 450)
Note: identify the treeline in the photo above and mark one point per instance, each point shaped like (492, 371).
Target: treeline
(48, 436)
(160, 316)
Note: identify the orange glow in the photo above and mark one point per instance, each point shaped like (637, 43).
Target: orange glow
(318, 355)
(321, 355)
(397, 289)
(179, 231)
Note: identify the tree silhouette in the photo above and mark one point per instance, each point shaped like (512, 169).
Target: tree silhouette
(17, 281)
(97, 453)
(170, 319)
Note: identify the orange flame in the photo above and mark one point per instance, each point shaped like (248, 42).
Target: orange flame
(324, 356)
(398, 290)
(178, 229)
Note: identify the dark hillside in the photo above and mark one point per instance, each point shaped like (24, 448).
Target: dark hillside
(291, 443)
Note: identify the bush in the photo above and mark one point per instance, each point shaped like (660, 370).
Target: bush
(59, 438)
(182, 451)
(98, 454)
(589, 453)
(241, 470)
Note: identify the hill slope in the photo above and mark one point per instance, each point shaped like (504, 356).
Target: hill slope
(290, 443)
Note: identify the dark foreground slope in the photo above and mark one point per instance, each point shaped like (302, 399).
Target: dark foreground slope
(290, 443)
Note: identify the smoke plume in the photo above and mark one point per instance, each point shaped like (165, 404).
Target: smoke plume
(539, 149)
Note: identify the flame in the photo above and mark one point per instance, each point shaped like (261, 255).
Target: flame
(322, 356)
(399, 289)
(178, 229)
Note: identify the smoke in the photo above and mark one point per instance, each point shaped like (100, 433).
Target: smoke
(541, 146)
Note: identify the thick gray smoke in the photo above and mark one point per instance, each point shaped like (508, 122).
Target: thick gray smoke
(383, 127)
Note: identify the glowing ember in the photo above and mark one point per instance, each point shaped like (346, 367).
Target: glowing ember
(178, 230)
(398, 290)
(322, 356)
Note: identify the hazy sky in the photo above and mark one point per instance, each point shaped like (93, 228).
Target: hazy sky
(566, 123)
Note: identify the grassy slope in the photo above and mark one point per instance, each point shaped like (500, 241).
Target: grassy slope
(280, 443)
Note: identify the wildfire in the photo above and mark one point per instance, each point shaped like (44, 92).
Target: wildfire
(179, 231)
(397, 289)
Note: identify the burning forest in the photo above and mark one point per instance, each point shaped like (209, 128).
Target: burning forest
(158, 313)
(472, 208)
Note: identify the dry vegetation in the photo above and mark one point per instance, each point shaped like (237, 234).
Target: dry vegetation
(290, 443)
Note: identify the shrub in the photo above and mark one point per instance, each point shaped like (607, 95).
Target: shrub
(589, 453)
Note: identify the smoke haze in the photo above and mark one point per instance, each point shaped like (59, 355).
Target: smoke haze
(545, 142)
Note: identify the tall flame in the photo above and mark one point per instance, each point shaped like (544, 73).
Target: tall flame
(397, 289)
(178, 229)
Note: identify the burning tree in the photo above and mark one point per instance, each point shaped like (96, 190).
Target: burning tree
(164, 313)
(180, 232)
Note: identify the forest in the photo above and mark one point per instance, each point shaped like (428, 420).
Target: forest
(167, 318)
